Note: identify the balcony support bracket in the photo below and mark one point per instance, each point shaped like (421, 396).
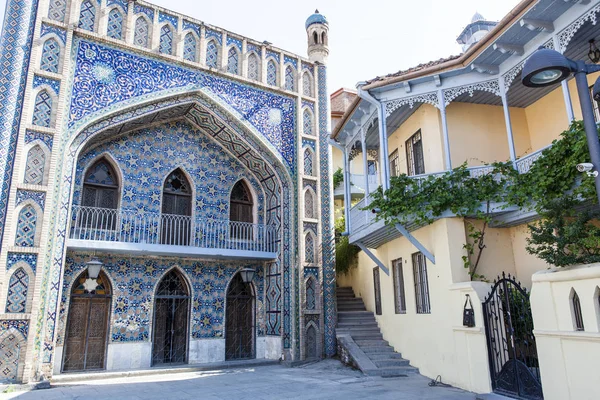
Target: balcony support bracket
(415, 242)
(373, 257)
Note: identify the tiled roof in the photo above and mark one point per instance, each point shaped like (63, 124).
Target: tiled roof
(413, 69)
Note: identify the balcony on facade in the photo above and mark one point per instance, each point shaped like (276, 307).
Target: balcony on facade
(358, 186)
(134, 232)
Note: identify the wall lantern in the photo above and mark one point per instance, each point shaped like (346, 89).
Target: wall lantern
(594, 53)
(247, 274)
(93, 267)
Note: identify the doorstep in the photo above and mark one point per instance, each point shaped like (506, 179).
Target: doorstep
(86, 376)
(492, 396)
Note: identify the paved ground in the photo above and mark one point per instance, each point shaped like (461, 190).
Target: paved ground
(327, 379)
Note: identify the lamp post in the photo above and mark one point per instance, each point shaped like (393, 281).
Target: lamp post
(546, 67)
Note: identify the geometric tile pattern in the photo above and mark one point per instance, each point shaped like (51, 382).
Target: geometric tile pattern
(191, 26)
(16, 300)
(57, 10)
(134, 281)
(253, 67)
(163, 17)
(38, 197)
(47, 29)
(50, 56)
(212, 54)
(234, 41)
(210, 34)
(121, 3)
(149, 12)
(307, 85)
(141, 32)
(290, 60)
(20, 325)
(34, 168)
(309, 248)
(308, 162)
(311, 297)
(42, 80)
(307, 123)
(309, 143)
(87, 16)
(232, 61)
(45, 138)
(290, 78)
(42, 112)
(115, 24)
(10, 349)
(15, 258)
(189, 47)
(272, 73)
(26, 227)
(166, 40)
(309, 205)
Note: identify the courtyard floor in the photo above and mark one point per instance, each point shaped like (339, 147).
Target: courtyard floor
(328, 379)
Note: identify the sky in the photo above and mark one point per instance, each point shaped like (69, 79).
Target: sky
(366, 38)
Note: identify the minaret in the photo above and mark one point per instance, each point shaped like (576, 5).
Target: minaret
(317, 29)
(477, 29)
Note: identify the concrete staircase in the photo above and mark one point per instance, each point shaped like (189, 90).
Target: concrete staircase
(357, 329)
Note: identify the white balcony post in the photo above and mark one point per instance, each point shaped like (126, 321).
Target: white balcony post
(442, 107)
(383, 148)
(509, 132)
(565, 86)
(347, 192)
(363, 144)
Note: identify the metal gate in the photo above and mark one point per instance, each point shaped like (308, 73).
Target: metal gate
(239, 323)
(171, 316)
(512, 352)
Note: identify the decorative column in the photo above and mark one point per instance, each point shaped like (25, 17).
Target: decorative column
(383, 148)
(509, 132)
(442, 108)
(564, 84)
(363, 143)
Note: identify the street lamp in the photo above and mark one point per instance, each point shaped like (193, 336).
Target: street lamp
(546, 67)
(247, 274)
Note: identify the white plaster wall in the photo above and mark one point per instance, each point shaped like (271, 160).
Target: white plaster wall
(58, 357)
(124, 356)
(206, 351)
(260, 347)
(273, 347)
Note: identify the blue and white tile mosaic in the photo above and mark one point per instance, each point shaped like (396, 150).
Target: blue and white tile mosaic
(234, 41)
(164, 17)
(20, 325)
(38, 197)
(60, 33)
(46, 138)
(28, 258)
(139, 9)
(291, 60)
(121, 3)
(211, 34)
(42, 80)
(191, 26)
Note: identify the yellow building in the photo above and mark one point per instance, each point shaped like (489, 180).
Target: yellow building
(473, 109)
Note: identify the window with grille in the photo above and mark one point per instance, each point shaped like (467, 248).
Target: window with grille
(595, 104)
(394, 165)
(241, 208)
(100, 190)
(176, 209)
(577, 315)
(377, 290)
(399, 294)
(421, 284)
(372, 167)
(414, 155)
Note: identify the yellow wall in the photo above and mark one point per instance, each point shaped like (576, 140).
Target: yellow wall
(497, 254)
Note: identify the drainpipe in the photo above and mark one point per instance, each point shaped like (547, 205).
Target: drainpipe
(347, 198)
(383, 142)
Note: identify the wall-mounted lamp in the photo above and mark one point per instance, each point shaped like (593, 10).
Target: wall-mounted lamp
(247, 274)
(93, 267)
(594, 53)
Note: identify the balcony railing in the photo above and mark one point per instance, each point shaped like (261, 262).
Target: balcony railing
(524, 163)
(129, 226)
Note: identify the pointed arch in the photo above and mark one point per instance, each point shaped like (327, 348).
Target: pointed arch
(12, 346)
(241, 202)
(141, 36)
(310, 251)
(240, 319)
(312, 290)
(576, 311)
(315, 38)
(212, 54)
(166, 40)
(290, 78)
(26, 227)
(18, 288)
(308, 122)
(307, 84)
(233, 60)
(272, 73)
(190, 47)
(88, 14)
(114, 27)
(176, 209)
(43, 111)
(51, 56)
(311, 341)
(57, 10)
(310, 209)
(323, 38)
(37, 164)
(173, 282)
(253, 66)
(101, 185)
(309, 162)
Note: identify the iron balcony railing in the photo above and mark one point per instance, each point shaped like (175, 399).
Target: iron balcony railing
(130, 226)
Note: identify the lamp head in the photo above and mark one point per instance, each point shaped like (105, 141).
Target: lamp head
(545, 67)
(93, 267)
(247, 274)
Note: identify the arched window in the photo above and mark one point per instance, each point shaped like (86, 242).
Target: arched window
(166, 40)
(26, 225)
(311, 294)
(212, 54)
(115, 24)
(324, 38)
(576, 309)
(141, 33)
(87, 16)
(309, 248)
(176, 209)
(50, 56)
(57, 10)
(253, 67)
(189, 47)
(42, 111)
(307, 122)
(315, 38)
(16, 301)
(241, 204)
(308, 162)
(309, 204)
(272, 73)
(35, 165)
(100, 186)
(290, 79)
(233, 61)
(311, 347)
(307, 85)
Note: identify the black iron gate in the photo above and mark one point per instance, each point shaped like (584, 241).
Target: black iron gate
(239, 320)
(512, 352)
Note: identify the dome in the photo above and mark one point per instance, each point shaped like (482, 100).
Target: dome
(477, 17)
(316, 18)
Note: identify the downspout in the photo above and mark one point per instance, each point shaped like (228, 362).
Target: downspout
(383, 142)
(347, 198)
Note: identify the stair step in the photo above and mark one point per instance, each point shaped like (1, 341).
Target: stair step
(352, 308)
(371, 343)
(384, 356)
(358, 324)
(392, 371)
(366, 336)
(355, 330)
(397, 362)
(376, 349)
(356, 314)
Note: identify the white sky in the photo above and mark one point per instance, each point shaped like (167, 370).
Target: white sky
(367, 38)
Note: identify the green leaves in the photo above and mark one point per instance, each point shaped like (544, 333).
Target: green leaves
(338, 178)
(345, 253)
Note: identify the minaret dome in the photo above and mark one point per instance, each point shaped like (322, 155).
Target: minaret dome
(317, 30)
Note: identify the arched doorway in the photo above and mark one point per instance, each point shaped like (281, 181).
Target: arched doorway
(87, 327)
(239, 320)
(171, 319)
(176, 209)
(241, 207)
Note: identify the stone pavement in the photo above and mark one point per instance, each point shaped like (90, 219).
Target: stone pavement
(328, 379)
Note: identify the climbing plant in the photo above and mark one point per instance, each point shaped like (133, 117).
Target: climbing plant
(346, 254)
(338, 178)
